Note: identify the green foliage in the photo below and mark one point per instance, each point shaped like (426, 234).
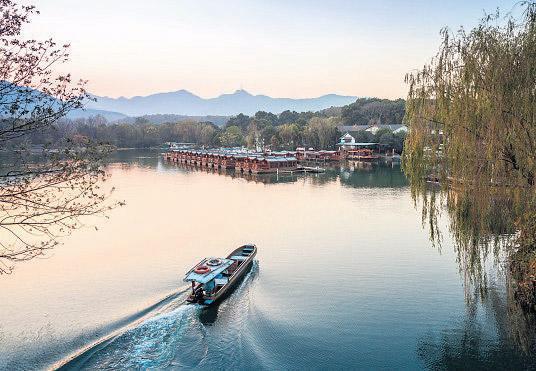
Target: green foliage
(367, 111)
(232, 137)
(387, 139)
(290, 136)
(321, 133)
(263, 129)
(363, 136)
(473, 109)
(140, 135)
(267, 133)
(399, 140)
(267, 117)
(287, 117)
(471, 115)
(381, 132)
(241, 120)
(288, 130)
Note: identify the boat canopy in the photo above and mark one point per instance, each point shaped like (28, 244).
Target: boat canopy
(207, 277)
(280, 159)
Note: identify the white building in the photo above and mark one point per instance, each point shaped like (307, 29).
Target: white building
(348, 142)
(398, 128)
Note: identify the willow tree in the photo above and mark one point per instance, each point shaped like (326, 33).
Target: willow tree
(40, 198)
(471, 114)
(321, 132)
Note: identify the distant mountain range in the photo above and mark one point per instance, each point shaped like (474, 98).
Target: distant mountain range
(183, 102)
(19, 95)
(183, 105)
(162, 118)
(88, 112)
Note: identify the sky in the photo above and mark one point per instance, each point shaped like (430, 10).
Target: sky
(292, 48)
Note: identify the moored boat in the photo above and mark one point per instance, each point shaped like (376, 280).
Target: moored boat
(213, 278)
(363, 154)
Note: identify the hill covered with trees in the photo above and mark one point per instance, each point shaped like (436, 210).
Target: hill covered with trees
(367, 111)
(288, 130)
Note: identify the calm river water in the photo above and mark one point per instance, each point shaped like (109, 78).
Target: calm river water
(346, 277)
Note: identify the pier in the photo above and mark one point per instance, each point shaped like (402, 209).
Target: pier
(250, 163)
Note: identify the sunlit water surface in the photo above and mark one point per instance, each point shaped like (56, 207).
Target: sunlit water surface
(345, 278)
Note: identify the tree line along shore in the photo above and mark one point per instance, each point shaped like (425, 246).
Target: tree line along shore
(285, 131)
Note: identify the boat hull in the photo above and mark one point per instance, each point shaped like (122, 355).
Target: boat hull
(234, 279)
(230, 287)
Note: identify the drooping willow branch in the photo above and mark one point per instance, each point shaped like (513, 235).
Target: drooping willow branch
(471, 114)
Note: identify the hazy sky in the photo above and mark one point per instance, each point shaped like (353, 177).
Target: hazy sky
(300, 48)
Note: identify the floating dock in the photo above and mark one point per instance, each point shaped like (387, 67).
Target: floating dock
(251, 163)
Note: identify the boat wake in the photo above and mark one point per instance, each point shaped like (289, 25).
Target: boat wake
(176, 335)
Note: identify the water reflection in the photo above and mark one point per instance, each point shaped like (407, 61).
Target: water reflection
(497, 330)
(353, 174)
(348, 278)
(489, 337)
(366, 174)
(493, 236)
(148, 158)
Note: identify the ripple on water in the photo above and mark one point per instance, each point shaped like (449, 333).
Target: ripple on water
(183, 336)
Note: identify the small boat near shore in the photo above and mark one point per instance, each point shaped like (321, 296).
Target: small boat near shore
(213, 278)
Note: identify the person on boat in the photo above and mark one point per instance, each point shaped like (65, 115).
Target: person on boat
(197, 291)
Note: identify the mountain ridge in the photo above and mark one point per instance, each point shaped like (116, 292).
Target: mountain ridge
(184, 102)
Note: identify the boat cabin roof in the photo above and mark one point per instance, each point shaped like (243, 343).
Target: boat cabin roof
(209, 276)
(280, 159)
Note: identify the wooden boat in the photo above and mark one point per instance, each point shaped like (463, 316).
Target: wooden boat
(213, 278)
(363, 154)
